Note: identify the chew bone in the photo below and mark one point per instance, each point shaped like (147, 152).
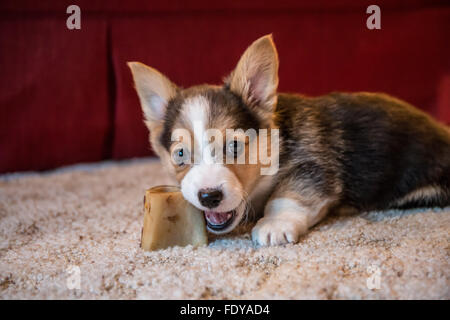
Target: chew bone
(169, 220)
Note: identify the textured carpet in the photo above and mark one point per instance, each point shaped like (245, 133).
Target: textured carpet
(88, 219)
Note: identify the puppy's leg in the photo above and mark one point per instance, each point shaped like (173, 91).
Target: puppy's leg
(288, 215)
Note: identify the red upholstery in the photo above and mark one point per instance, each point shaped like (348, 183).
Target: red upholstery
(67, 96)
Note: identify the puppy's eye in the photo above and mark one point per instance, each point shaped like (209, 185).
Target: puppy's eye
(235, 148)
(181, 156)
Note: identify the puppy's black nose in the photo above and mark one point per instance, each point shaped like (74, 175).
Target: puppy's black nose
(210, 198)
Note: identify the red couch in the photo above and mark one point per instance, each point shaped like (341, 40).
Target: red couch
(66, 96)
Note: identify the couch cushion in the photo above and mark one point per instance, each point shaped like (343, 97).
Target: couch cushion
(54, 93)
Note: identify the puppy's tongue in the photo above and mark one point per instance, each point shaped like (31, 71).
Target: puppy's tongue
(218, 217)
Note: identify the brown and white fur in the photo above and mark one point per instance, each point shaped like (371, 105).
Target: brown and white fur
(362, 150)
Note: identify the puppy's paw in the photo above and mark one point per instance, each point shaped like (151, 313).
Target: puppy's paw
(275, 231)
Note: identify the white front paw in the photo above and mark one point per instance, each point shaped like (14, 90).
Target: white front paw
(276, 231)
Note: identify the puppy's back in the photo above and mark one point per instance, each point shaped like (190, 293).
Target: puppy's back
(382, 151)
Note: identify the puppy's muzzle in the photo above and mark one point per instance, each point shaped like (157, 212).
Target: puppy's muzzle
(210, 198)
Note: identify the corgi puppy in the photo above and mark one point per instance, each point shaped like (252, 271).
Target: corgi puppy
(367, 151)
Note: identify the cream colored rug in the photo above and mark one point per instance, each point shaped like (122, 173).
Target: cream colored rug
(80, 228)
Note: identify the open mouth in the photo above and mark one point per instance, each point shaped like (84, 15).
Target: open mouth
(219, 220)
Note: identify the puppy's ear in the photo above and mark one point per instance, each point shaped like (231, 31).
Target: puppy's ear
(154, 91)
(255, 78)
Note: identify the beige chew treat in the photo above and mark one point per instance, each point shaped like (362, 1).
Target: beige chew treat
(169, 220)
